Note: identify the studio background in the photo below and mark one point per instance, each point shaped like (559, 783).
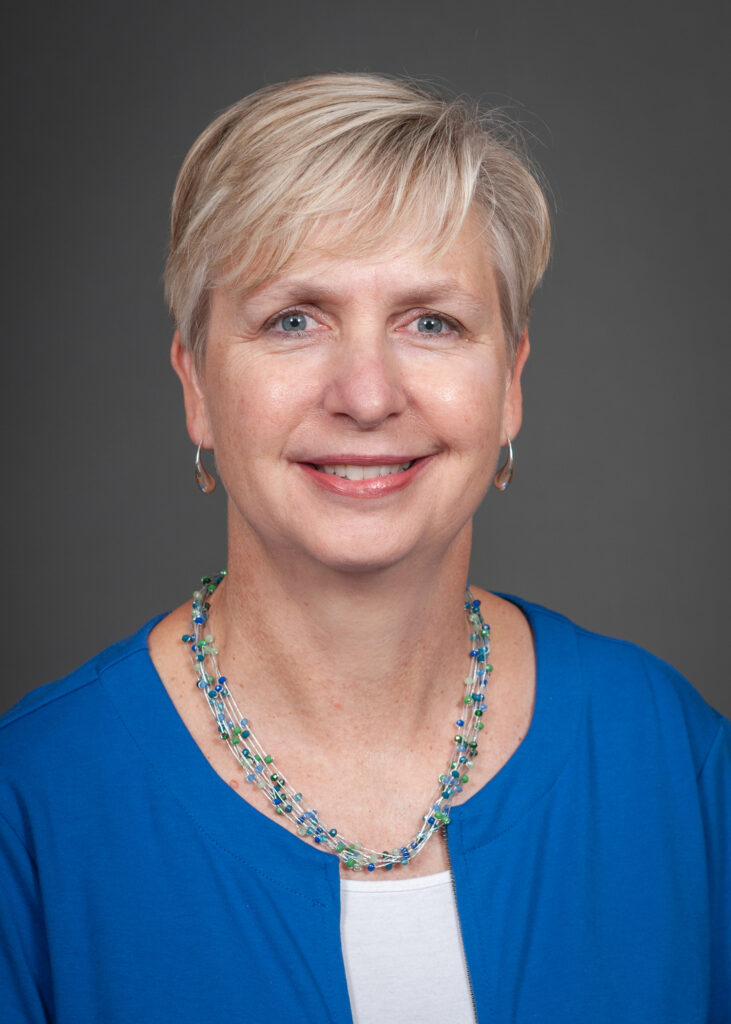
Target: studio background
(618, 515)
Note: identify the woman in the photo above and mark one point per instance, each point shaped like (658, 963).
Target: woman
(350, 273)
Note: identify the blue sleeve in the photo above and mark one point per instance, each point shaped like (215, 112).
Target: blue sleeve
(715, 793)
(24, 968)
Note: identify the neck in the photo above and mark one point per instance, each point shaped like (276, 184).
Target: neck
(392, 642)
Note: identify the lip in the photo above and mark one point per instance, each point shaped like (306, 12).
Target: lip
(377, 487)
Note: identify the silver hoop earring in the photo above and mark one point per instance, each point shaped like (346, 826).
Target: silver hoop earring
(504, 475)
(206, 482)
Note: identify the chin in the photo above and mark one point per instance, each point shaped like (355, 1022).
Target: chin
(360, 555)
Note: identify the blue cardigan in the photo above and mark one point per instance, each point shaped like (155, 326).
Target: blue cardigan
(592, 873)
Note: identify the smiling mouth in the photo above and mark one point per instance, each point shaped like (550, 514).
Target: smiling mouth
(351, 472)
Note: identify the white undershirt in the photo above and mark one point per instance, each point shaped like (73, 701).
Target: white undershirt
(403, 955)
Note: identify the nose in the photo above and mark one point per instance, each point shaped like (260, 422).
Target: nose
(365, 379)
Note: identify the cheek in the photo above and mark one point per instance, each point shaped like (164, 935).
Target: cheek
(259, 405)
(469, 406)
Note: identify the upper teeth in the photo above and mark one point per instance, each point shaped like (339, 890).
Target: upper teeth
(364, 472)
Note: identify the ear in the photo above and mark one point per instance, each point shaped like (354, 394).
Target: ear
(513, 408)
(196, 414)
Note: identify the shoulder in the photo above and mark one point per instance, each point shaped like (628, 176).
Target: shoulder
(58, 729)
(631, 695)
(52, 699)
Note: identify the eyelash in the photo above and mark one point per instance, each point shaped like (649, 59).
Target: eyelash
(271, 324)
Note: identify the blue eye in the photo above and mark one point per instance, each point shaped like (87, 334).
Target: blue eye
(294, 322)
(430, 324)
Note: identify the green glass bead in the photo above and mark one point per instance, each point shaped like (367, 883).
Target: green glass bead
(340, 847)
(465, 778)
(350, 862)
(268, 759)
(480, 725)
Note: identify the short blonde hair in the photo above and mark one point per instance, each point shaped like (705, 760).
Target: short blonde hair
(377, 153)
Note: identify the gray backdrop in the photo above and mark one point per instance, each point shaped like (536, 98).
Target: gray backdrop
(619, 511)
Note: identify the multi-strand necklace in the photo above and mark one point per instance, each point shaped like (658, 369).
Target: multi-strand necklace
(261, 771)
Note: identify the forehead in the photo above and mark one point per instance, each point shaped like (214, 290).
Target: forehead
(328, 262)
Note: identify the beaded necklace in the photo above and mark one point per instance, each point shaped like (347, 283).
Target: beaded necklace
(259, 767)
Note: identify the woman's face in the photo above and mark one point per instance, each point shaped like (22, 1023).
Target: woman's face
(356, 406)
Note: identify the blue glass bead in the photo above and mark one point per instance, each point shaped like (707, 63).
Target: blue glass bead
(199, 620)
(288, 808)
(404, 851)
(473, 654)
(318, 839)
(277, 801)
(460, 722)
(388, 867)
(454, 774)
(250, 778)
(430, 821)
(218, 687)
(221, 718)
(222, 679)
(260, 768)
(333, 832)
(371, 867)
(245, 733)
(244, 722)
(475, 604)
(199, 657)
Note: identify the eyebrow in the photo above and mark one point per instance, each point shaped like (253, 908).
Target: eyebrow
(427, 294)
